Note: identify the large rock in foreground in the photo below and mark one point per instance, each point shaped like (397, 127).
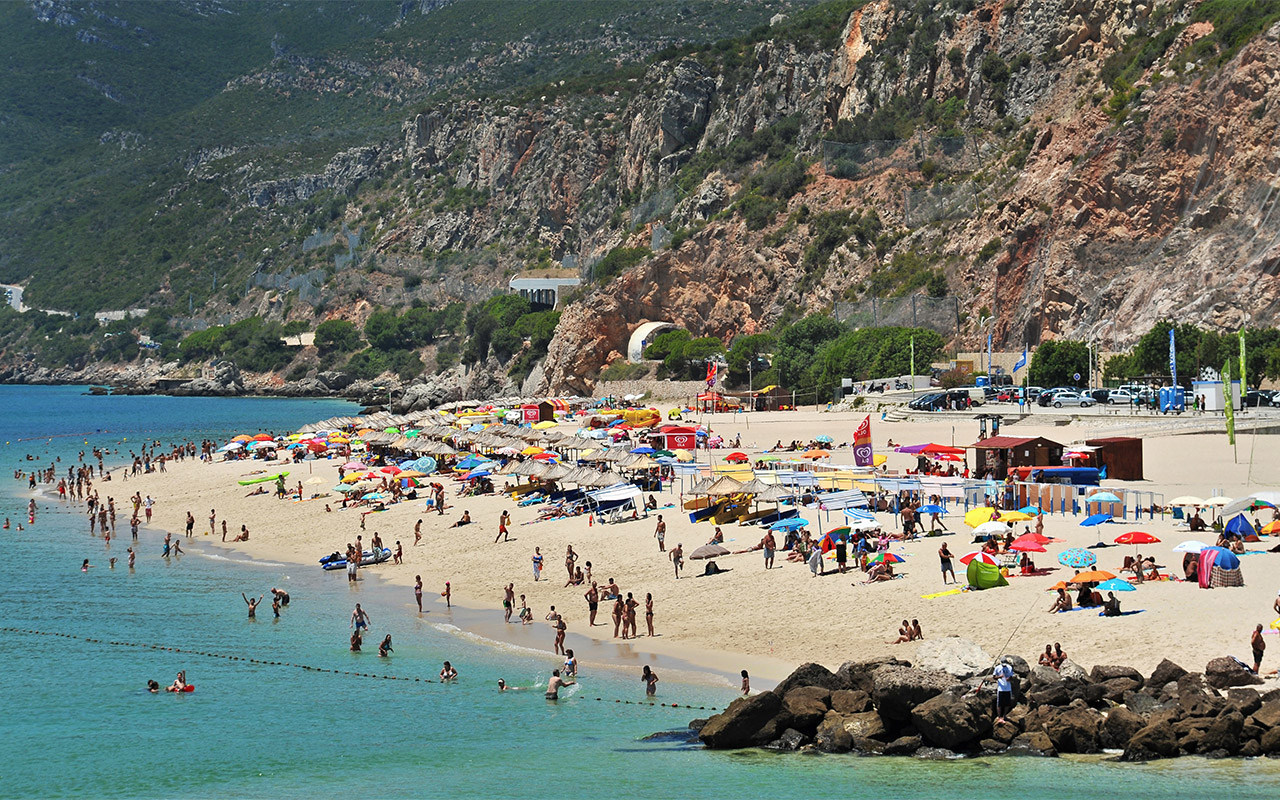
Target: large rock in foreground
(954, 656)
(898, 690)
(739, 724)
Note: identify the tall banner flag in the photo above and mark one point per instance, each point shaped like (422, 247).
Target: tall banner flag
(862, 452)
(1229, 403)
(1244, 380)
(712, 368)
(1022, 362)
(1173, 359)
(913, 361)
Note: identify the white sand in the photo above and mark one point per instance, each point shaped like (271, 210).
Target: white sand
(768, 621)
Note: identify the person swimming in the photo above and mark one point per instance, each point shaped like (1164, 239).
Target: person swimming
(553, 685)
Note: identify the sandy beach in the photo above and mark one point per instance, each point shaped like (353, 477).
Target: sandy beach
(768, 621)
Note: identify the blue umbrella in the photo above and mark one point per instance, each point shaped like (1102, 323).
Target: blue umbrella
(476, 473)
(475, 428)
(794, 523)
(469, 462)
(1096, 519)
(1102, 497)
(1032, 510)
(1077, 557)
(931, 509)
(1117, 585)
(1223, 557)
(824, 439)
(646, 450)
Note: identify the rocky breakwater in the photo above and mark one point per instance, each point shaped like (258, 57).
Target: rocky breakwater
(942, 707)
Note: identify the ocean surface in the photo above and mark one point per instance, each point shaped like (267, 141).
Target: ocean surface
(78, 721)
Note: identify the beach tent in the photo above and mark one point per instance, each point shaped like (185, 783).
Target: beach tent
(1219, 567)
(985, 576)
(1242, 527)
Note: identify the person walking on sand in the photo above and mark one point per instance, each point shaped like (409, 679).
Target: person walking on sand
(661, 533)
(252, 604)
(677, 558)
(417, 533)
(213, 524)
(537, 564)
(593, 603)
(768, 544)
(508, 600)
(944, 556)
(1258, 647)
(417, 591)
(447, 594)
(503, 521)
(650, 679)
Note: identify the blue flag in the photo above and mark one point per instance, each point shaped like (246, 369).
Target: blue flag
(1173, 359)
(1022, 362)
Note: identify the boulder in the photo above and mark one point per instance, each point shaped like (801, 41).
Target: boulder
(1052, 695)
(806, 706)
(1140, 703)
(1250, 749)
(1196, 698)
(1227, 671)
(862, 744)
(1191, 742)
(1156, 740)
(1073, 729)
(1116, 688)
(809, 675)
(953, 655)
(1165, 672)
(697, 725)
(790, 740)
(860, 674)
(850, 701)
(1093, 694)
(1223, 733)
(831, 737)
(935, 754)
(1032, 743)
(1244, 700)
(1268, 714)
(1041, 676)
(1021, 668)
(1120, 726)
(1270, 694)
(335, 381)
(899, 689)
(738, 725)
(992, 747)
(865, 725)
(1070, 670)
(952, 719)
(1269, 744)
(1102, 674)
(903, 746)
(1005, 731)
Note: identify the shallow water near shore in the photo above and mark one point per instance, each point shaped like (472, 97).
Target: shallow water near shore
(80, 723)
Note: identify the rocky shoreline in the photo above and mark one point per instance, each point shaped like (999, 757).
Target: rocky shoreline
(942, 707)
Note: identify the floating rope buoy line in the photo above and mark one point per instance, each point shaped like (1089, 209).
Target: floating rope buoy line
(304, 667)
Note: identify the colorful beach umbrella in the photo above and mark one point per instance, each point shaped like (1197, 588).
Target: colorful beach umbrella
(1077, 558)
(789, 524)
(815, 454)
(1102, 497)
(1032, 511)
(886, 558)
(1271, 527)
(982, 556)
(1136, 537)
(1091, 576)
(976, 516)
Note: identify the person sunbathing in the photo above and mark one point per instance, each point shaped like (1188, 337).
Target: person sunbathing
(881, 571)
(466, 520)
(904, 633)
(1062, 603)
(1046, 658)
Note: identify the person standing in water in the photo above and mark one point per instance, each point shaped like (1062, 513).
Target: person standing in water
(252, 604)
(417, 591)
(553, 685)
(447, 594)
(359, 619)
(650, 679)
(746, 683)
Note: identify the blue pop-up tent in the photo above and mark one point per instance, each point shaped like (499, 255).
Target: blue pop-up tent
(1239, 526)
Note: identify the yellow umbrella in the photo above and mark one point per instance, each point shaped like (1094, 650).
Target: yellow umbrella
(1271, 527)
(1275, 624)
(878, 459)
(1014, 516)
(542, 426)
(411, 473)
(976, 516)
(531, 451)
(682, 455)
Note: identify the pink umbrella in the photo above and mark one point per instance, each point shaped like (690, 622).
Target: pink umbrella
(982, 556)
(350, 465)
(1025, 544)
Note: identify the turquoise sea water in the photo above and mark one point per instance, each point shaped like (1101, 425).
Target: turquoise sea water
(78, 722)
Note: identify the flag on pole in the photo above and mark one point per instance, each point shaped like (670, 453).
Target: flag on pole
(913, 361)
(1022, 362)
(862, 451)
(712, 369)
(1229, 403)
(1244, 380)
(1173, 358)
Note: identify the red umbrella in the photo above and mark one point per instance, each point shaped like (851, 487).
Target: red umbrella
(1025, 544)
(736, 457)
(983, 557)
(264, 437)
(391, 469)
(1136, 537)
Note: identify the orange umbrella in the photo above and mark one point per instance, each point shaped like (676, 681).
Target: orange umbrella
(1057, 586)
(1092, 576)
(815, 454)
(1271, 527)
(264, 437)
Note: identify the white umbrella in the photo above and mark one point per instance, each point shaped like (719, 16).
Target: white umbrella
(993, 528)
(1191, 546)
(1186, 500)
(1217, 501)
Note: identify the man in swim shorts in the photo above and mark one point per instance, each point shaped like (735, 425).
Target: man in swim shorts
(359, 619)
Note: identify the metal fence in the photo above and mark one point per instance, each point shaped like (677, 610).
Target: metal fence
(940, 201)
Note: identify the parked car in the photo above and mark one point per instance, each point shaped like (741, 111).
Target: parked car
(1099, 395)
(1120, 397)
(1254, 398)
(1060, 399)
(1046, 396)
(925, 401)
(1033, 392)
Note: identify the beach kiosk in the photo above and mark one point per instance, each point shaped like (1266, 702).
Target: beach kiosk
(1211, 394)
(997, 454)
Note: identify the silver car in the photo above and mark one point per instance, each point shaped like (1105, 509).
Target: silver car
(1071, 399)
